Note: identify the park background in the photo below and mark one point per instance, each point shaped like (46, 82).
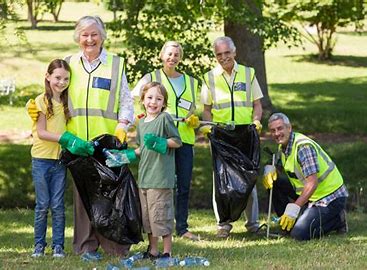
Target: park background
(324, 99)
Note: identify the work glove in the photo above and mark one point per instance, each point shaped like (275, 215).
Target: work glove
(155, 143)
(76, 145)
(120, 132)
(192, 121)
(258, 126)
(32, 110)
(270, 175)
(289, 217)
(117, 158)
(205, 130)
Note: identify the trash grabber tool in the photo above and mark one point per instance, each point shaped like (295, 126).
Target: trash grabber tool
(270, 202)
(227, 126)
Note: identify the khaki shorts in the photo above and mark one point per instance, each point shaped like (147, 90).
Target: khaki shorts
(157, 211)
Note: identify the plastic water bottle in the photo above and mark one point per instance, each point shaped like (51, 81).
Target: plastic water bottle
(166, 262)
(194, 261)
(129, 262)
(112, 267)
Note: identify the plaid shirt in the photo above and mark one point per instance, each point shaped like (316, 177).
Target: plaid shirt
(307, 159)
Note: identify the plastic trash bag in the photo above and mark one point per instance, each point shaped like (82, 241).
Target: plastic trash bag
(236, 162)
(109, 195)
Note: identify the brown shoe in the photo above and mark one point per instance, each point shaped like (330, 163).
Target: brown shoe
(191, 236)
(222, 233)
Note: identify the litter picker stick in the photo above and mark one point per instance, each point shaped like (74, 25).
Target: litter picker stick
(270, 201)
(228, 126)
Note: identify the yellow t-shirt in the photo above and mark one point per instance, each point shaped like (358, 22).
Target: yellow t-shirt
(55, 124)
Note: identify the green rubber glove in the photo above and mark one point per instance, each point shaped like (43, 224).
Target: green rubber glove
(117, 158)
(155, 143)
(76, 145)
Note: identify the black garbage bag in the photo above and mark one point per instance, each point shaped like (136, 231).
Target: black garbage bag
(110, 195)
(236, 162)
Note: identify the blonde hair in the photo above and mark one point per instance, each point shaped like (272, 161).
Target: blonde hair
(162, 91)
(87, 21)
(171, 43)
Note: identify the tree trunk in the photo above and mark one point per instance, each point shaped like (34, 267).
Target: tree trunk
(250, 52)
(31, 16)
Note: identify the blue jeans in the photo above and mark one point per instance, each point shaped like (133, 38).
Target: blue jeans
(184, 162)
(49, 178)
(313, 222)
(318, 221)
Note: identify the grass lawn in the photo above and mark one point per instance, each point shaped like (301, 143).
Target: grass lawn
(241, 251)
(326, 100)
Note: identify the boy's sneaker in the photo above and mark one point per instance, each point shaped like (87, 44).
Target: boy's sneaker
(58, 252)
(39, 250)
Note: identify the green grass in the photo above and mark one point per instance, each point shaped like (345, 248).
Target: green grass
(241, 251)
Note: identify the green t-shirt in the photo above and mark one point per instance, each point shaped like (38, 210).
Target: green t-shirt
(157, 170)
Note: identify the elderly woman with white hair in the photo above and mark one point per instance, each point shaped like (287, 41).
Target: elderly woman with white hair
(99, 103)
(182, 90)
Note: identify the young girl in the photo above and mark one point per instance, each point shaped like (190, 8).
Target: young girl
(157, 137)
(49, 175)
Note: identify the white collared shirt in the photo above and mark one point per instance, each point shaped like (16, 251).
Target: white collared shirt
(206, 95)
(126, 106)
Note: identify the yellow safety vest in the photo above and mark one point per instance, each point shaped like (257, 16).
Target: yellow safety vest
(232, 103)
(180, 106)
(94, 97)
(329, 177)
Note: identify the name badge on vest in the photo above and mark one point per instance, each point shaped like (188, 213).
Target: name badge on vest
(101, 83)
(239, 86)
(185, 104)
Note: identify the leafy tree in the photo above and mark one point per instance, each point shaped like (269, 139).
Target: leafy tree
(114, 6)
(325, 16)
(7, 14)
(36, 9)
(149, 24)
(54, 7)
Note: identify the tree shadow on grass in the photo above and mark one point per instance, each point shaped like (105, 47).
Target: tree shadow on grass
(324, 106)
(336, 60)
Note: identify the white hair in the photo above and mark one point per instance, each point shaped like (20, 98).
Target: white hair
(226, 40)
(87, 21)
(277, 116)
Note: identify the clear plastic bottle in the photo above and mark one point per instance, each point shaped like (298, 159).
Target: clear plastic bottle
(112, 267)
(194, 261)
(166, 262)
(129, 262)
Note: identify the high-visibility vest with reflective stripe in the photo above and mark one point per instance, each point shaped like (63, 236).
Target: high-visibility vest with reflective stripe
(180, 106)
(94, 97)
(329, 177)
(232, 103)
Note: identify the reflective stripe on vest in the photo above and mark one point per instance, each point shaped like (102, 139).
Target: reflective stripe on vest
(329, 177)
(94, 97)
(175, 108)
(231, 104)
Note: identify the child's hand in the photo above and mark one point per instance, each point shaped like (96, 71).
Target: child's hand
(155, 143)
(32, 110)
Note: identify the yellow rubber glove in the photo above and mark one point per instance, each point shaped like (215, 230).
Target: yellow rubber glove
(205, 130)
(288, 219)
(192, 121)
(32, 110)
(120, 132)
(270, 175)
(258, 126)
